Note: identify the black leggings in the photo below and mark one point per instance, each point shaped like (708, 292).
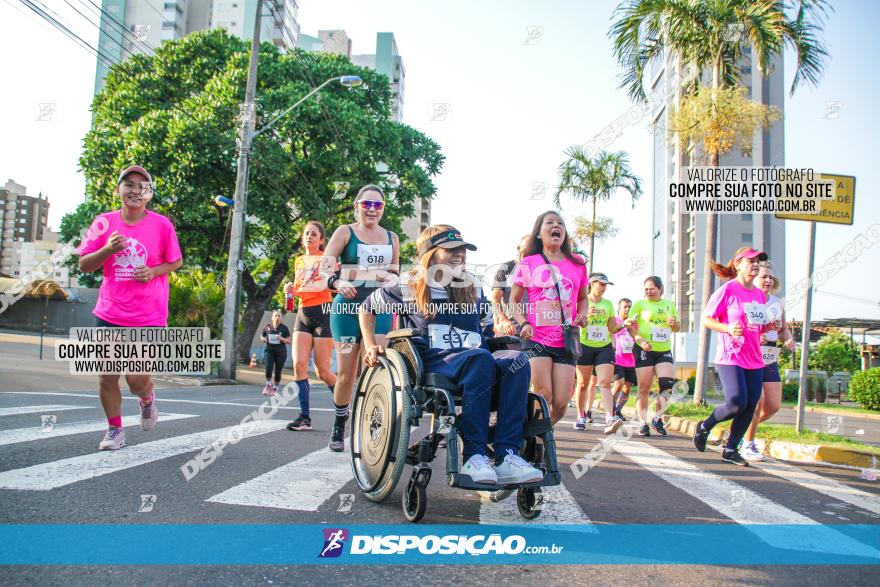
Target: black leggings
(275, 359)
(742, 390)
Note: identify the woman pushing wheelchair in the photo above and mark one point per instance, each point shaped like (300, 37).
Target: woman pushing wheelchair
(442, 302)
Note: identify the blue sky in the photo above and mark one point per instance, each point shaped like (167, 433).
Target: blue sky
(516, 100)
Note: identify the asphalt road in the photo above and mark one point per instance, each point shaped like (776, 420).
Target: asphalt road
(53, 476)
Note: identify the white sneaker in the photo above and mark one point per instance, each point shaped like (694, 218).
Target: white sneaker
(480, 470)
(613, 424)
(113, 440)
(514, 469)
(750, 452)
(149, 414)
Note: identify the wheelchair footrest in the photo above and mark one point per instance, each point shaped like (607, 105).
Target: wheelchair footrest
(465, 482)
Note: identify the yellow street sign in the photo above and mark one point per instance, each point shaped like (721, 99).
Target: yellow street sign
(839, 210)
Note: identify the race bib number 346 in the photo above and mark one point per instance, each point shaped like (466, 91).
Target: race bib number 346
(660, 334)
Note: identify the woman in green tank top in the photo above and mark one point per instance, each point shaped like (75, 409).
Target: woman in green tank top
(366, 254)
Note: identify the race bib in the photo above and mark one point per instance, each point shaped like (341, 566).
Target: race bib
(597, 333)
(548, 313)
(626, 345)
(756, 314)
(274, 338)
(374, 256)
(659, 334)
(770, 354)
(442, 336)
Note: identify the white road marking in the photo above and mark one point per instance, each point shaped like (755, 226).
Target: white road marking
(559, 507)
(302, 485)
(39, 433)
(39, 409)
(164, 400)
(67, 471)
(741, 504)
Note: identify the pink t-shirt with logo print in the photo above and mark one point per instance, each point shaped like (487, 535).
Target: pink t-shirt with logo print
(544, 307)
(623, 339)
(732, 303)
(152, 241)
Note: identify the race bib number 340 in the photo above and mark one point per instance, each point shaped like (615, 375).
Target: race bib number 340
(442, 336)
(756, 315)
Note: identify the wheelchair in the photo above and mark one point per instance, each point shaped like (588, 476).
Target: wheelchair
(392, 396)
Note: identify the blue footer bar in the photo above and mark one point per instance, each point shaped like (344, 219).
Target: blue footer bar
(308, 544)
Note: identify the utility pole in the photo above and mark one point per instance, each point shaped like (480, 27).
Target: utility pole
(239, 210)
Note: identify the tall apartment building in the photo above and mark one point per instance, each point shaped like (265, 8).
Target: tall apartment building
(24, 219)
(138, 26)
(678, 238)
(385, 60)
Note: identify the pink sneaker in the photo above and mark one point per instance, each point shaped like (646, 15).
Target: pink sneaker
(267, 389)
(273, 390)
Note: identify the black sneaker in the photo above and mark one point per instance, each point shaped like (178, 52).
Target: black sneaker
(589, 416)
(701, 435)
(337, 437)
(657, 424)
(644, 430)
(732, 456)
(301, 423)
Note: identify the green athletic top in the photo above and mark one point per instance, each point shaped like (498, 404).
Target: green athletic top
(596, 334)
(364, 256)
(651, 318)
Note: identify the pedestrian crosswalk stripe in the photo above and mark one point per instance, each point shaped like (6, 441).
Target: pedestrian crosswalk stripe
(302, 485)
(39, 409)
(559, 507)
(739, 503)
(42, 433)
(67, 471)
(824, 485)
(167, 400)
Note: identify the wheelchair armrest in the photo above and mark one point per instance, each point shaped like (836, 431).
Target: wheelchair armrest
(500, 343)
(404, 333)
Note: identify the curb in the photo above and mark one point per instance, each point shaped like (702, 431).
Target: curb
(784, 450)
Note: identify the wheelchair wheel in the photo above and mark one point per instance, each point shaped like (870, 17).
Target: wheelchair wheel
(529, 502)
(380, 427)
(415, 501)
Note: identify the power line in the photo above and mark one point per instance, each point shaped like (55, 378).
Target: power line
(66, 31)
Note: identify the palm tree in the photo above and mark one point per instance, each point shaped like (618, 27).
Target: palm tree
(584, 178)
(710, 35)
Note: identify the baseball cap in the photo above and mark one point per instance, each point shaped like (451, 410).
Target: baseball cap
(750, 254)
(449, 239)
(134, 169)
(600, 277)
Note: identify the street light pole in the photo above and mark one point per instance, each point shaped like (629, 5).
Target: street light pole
(233, 275)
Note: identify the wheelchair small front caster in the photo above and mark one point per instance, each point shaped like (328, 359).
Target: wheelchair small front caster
(529, 502)
(415, 501)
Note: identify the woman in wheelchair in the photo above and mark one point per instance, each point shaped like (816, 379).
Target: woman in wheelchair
(442, 301)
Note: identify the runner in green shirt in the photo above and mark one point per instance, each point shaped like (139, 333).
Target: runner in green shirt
(597, 352)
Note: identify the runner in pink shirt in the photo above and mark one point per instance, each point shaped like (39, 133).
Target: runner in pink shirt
(556, 282)
(136, 249)
(737, 312)
(624, 360)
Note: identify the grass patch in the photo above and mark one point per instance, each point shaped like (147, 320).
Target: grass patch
(834, 407)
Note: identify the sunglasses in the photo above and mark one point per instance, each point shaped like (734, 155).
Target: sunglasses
(374, 204)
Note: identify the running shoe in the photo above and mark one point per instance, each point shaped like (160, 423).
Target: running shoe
(613, 424)
(149, 414)
(480, 470)
(113, 440)
(274, 389)
(589, 417)
(751, 453)
(657, 424)
(581, 424)
(701, 435)
(337, 437)
(267, 389)
(301, 423)
(645, 430)
(732, 456)
(514, 469)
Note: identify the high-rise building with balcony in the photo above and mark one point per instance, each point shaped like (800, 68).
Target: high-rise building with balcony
(24, 220)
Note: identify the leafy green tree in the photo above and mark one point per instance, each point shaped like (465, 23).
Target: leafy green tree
(196, 299)
(176, 113)
(711, 35)
(833, 353)
(595, 179)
